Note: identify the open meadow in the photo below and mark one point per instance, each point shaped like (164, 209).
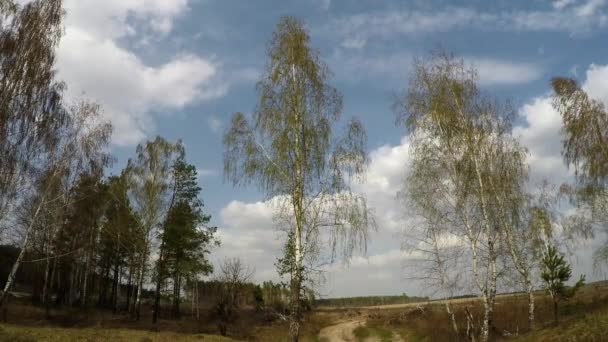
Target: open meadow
(584, 318)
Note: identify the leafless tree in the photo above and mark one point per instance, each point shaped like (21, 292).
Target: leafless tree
(232, 276)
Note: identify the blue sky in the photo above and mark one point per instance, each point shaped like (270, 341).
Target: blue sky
(180, 68)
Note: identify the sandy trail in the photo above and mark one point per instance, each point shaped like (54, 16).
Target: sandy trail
(343, 332)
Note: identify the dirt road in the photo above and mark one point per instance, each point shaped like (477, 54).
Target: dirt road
(343, 332)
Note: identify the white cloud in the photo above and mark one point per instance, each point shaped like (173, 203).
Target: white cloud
(250, 232)
(247, 231)
(493, 71)
(590, 8)
(358, 66)
(92, 62)
(559, 4)
(542, 133)
(111, 19)
(388, 24)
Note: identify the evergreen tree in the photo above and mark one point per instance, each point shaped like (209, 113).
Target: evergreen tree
(555, 273)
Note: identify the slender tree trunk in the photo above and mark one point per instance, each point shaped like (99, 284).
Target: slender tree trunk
(72, 286)
(555, 312)
(46, 279)
(24, 245)
(530, 305)
(490, 297)
(83, 300)
(159, 280)
(192, 300)
(114, 289)
(198, 313)
(140, 282)
(129, 290)
(178, 296)
(452, 316)
(47, 300)
(118, 275)
(298, 195)
(49, 249)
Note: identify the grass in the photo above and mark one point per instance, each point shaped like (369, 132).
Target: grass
(588, 328)
(585, 318)
(15, 333)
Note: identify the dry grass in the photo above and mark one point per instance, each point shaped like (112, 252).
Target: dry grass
(28, 323)
(586, 328)
(431, 322)
(15, 333)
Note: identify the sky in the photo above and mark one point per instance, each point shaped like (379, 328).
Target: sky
(180, 68)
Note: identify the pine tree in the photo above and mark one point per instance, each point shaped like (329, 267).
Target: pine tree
(555, 273)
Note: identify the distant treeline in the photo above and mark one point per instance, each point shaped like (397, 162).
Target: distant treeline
(369, 300)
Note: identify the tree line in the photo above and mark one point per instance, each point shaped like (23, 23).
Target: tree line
(85, 237)
(90, 236)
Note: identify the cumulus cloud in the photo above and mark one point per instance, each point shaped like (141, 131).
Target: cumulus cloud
(96, 64)
(248, 231)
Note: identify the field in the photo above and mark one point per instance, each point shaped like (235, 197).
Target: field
(584, 318)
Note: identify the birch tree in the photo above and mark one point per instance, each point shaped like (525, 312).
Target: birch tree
(79, 149)
(585, 148)
(288, 149)
(31, 108)
(467, 171)
(150, 177)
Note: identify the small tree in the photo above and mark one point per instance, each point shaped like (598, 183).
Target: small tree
(555, 273)
(232, 278)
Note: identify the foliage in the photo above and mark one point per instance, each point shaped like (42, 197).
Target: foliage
(186, 237)
(555, 273)
(467, 178)
(289, 151)
(584, 132)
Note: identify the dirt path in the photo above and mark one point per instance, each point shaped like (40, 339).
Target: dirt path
(341, 332)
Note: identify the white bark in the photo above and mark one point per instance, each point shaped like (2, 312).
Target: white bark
(24, 245)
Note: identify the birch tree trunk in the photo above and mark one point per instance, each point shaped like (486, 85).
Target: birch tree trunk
(530, 306)
(24, 245)
(140, 282)
(294, 327)
(158, 283)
